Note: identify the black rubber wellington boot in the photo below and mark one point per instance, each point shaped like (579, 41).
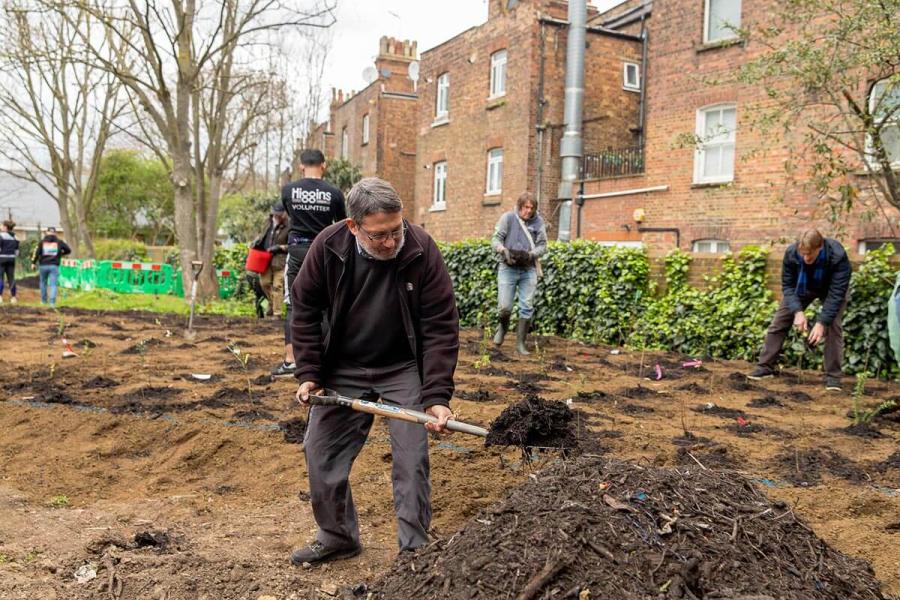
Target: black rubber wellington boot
(504, 327)
(521, 333)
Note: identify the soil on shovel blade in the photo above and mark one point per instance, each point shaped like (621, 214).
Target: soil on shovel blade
(628, 532)
(534, 423)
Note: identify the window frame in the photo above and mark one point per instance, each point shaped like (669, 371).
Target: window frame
(345, 143)
(706, 18)
(715, 245)
(442, 115)
(637, 71)
(863, 249)
(500, 69)
(494, 161)
(894, 121)
(703, 145)
(365, 129)
(439, 186)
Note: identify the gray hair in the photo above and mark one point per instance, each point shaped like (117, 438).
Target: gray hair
(372, 195)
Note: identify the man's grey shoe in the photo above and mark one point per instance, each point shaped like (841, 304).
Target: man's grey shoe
(284, 370)
(833, 384)
(317, 552)
(761, 372)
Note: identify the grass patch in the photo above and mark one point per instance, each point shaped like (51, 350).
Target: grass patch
(59, 501)
(101, 299)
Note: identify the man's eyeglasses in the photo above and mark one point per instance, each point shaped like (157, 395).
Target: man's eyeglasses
(380, 237)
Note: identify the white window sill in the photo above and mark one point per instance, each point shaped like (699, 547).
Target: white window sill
(441, 121)
(438, 208)
(712, 182)
(497, 193)
(636, 90)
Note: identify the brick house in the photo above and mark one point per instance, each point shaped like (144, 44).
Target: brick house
(373, 128)
(490, 114)
(733, 190)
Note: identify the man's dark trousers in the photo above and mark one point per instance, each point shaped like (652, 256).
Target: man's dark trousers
(781, 325)
(336, 434)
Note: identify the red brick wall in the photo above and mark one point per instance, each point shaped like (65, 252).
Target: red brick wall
(477, 125)
(757, 207)
(397, 147)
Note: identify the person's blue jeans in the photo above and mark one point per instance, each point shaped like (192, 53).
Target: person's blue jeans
(49, 275)
(513, 279)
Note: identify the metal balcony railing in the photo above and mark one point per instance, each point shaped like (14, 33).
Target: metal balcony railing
(613, 162)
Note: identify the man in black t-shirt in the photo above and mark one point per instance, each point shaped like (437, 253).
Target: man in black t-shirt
(312, 204)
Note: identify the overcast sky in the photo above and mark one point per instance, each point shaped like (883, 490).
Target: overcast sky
(361, 23)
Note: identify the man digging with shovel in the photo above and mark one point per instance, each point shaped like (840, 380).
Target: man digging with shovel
(373, 315)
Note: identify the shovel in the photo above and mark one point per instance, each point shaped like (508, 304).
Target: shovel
(390, 411)
(196, 268)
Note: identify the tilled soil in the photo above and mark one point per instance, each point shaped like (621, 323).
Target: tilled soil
(209, 465)
(620, 530)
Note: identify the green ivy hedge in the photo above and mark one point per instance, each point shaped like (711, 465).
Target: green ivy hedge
(588, 291)
(603, 294)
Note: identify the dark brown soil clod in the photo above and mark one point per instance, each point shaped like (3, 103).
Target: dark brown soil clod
(764, 402)
(534, 423)
(294, 430)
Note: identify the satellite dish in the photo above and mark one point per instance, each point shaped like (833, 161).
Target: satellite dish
(413, 70)
(385, 73)
(370, 74)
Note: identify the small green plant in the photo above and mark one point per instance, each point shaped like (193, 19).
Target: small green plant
(4, 558)
(52, 369)
(32, 555)
(243, 359)
(859, 388)
(60, 501)
(60, 325)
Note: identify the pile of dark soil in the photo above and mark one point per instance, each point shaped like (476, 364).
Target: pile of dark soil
(100, 382)
(224, 396)
(534, 423)
(765, 402)
(158, 540)
(53, 395)
(630, 532)
(638, 391)
(693, 388)
(477, 396)
(635, 409)
(142, 346)
(526, 388)
(739, 383)
(714, 457)
(40, 390)
(719, 411)
(561, 364)
(797, 396)
(253, 415)
(805, 467)
(262, 380)
(495, 372)
(294, 430)
(591, 397)
(746, 429)
(863, 430)
(477, 348)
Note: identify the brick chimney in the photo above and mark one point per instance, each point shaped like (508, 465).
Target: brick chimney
(501, 7)
(392, 62)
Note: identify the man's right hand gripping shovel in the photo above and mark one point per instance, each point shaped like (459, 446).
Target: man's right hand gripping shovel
(306, 388)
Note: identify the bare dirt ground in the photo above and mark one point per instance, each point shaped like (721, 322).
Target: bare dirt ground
(173, 488)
